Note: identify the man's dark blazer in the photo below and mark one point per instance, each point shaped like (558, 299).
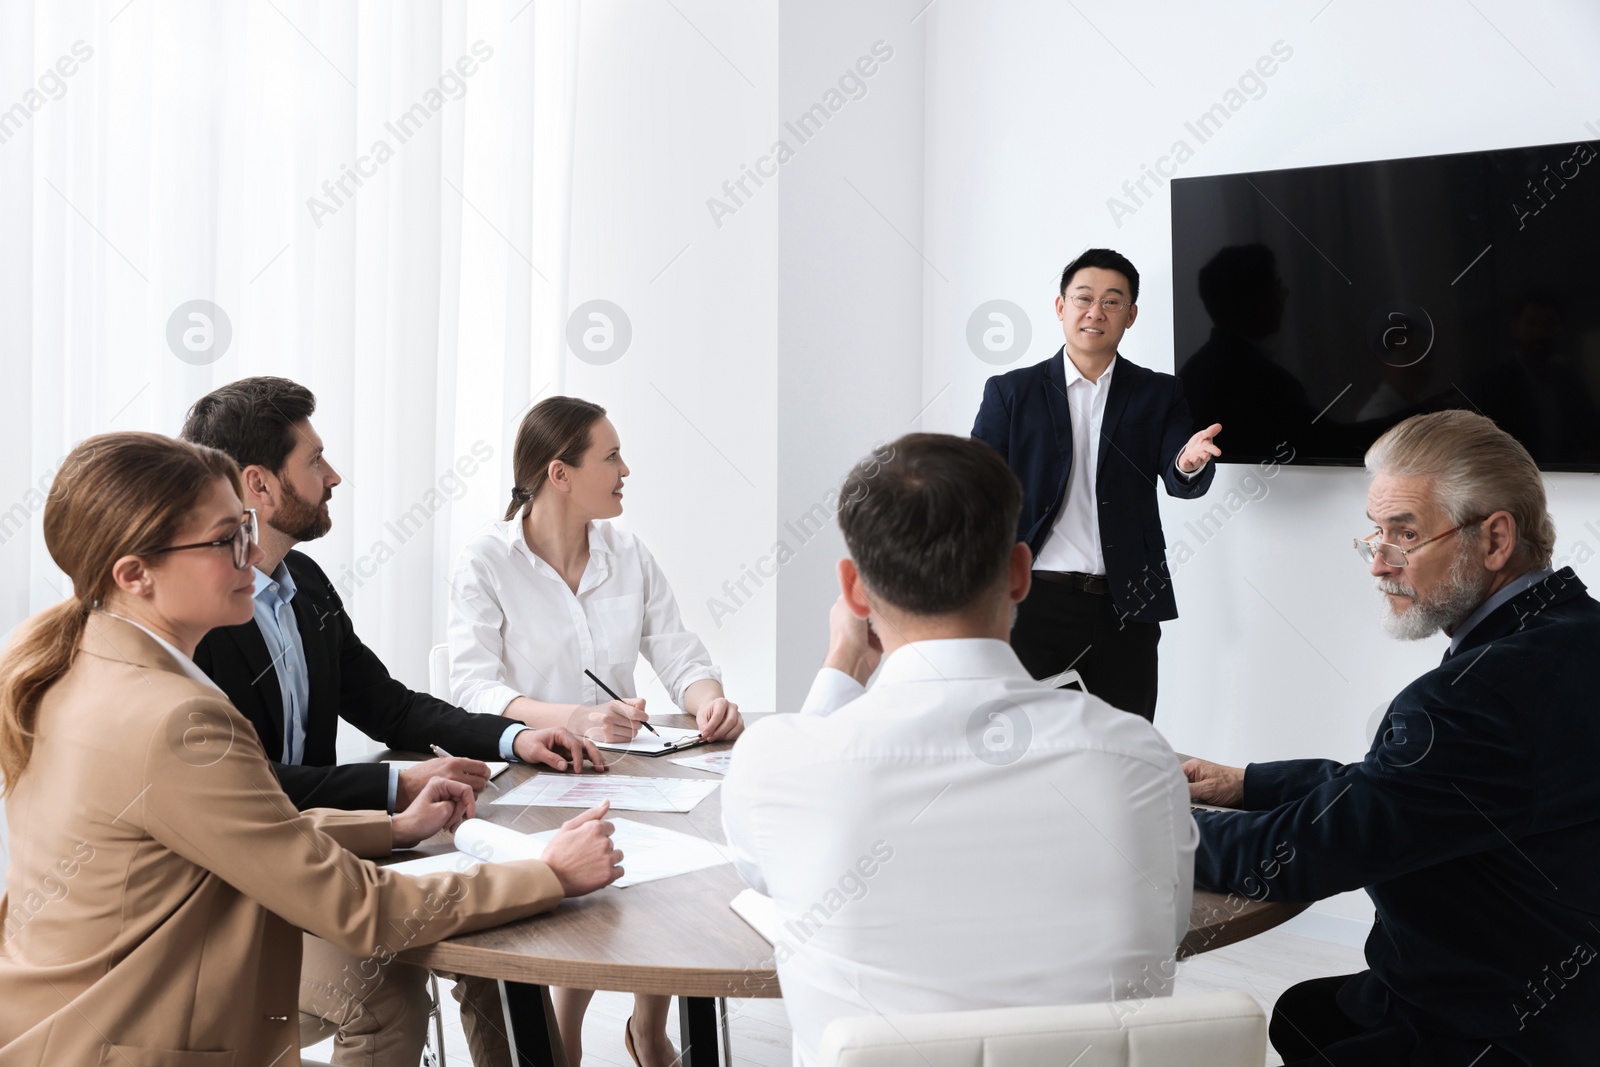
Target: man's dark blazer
(1025, 417)
(1473, 823)
(346, 681)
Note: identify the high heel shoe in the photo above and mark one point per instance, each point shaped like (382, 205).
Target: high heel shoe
(627, 1041)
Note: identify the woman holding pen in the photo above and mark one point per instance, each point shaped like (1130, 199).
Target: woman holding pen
(554, 591)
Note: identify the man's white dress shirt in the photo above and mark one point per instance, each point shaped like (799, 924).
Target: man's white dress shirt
(958, 837)
(1074, 541)
(517, 629)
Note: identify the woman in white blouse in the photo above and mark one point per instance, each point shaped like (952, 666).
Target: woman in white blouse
(553, 589)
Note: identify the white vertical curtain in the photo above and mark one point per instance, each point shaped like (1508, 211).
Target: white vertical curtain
(375, 197)
(154, 153)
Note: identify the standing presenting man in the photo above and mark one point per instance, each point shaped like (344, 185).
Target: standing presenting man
(1088, 434)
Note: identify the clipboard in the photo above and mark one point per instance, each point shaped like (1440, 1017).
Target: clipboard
(665, 739)
(673, 740)
(678, 746)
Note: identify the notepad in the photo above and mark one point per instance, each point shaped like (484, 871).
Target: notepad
(479, 841)
(495, 766)
(665, 739)
(761, 913)
(649, 853)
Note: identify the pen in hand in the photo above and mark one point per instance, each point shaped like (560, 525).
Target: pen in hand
(442, 754)
(593, 678)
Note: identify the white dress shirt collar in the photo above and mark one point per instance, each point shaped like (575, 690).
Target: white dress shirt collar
(599, 554)
(1482, 611)
(1076, 375)
(949, 659)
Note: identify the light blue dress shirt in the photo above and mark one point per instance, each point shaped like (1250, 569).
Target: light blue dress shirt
(1481, 612)
(275, 618)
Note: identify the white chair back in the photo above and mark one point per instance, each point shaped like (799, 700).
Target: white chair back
(1215, 1030)
(439, 671)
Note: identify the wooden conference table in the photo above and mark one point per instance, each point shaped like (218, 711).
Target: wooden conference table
(675, 936)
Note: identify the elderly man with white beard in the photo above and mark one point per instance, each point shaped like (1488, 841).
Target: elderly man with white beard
(1473, 822)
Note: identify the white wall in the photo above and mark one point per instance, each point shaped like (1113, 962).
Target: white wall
(668, 109)
(850, 355)
(1035, 117)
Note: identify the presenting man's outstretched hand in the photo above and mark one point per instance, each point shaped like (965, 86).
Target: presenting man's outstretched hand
(1198, 452)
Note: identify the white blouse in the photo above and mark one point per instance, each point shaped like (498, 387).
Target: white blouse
(517, 629)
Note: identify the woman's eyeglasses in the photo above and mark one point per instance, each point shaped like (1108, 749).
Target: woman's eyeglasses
(241, 541)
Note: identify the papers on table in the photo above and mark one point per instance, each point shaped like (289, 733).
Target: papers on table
(645, 743)
(649, 853)
(479, 841)
(760, 912)
(626, 793)
(458, 862)
(493, 843)
(495, 766)
(715, 762)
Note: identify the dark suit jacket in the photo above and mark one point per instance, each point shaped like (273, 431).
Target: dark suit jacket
(1025, 417)
(1473, 823)
(346, 681)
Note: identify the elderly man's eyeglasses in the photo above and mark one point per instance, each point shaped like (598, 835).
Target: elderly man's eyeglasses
(240, 541)
(1109, 304)
(1395, 556)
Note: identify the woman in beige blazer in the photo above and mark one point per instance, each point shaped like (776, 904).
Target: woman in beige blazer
(158, 873)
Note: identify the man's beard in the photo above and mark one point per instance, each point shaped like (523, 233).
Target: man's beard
(299, 518)
(1461, 591)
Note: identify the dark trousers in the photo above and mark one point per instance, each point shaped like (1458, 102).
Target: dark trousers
(1309, 1030)
(1059, 627)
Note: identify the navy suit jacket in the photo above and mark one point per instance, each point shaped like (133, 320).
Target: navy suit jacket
(1025, 418)
(1473, 823)
(346, 680)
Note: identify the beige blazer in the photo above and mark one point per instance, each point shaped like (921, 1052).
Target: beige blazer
(158, 876)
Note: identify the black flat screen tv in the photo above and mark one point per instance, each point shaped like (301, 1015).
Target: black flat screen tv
(1316, 307)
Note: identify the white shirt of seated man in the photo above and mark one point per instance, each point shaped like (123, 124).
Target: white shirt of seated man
(958, 837)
